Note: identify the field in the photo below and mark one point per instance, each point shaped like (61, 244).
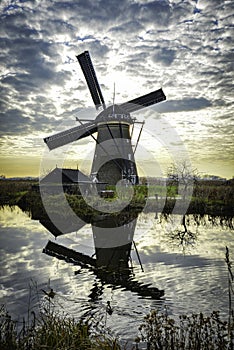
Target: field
(12, 190)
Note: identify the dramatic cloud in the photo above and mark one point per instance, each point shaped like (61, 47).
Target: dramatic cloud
(186, 47)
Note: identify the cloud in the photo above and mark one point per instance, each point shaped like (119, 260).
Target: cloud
(156, 12)
(127, 28)
(183, 46)
(164, 56)
(15, 121)
(186, 104)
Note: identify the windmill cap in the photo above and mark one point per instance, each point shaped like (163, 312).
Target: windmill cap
(114, 113)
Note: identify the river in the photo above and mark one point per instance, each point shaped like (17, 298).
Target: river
(190, 269)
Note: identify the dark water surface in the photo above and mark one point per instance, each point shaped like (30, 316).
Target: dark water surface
(192, 272)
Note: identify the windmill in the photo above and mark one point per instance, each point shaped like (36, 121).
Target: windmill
(114, 155)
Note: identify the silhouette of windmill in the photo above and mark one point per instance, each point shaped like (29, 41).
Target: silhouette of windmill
(114, 155)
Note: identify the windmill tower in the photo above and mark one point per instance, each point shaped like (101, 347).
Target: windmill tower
(114, 156)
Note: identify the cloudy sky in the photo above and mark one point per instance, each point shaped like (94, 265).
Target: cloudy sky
(185, 47)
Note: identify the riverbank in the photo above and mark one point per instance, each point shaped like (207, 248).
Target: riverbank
(209, 198)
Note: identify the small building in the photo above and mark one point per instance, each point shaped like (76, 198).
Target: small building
(68, 176)
(73, 181)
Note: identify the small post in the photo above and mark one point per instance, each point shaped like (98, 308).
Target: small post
(156, 211)
(230, 281)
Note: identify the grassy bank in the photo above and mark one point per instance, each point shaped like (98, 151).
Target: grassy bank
(12, 190)
(212, 198)
(194, 332)
(31, 202)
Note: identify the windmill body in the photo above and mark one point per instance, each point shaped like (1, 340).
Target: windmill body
(114, 156)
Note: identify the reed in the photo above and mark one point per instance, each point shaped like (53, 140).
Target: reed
(230, 295)
(161, 332)
(50, 330)
(47, 326)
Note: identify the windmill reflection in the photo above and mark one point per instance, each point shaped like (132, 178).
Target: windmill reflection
(111, 262)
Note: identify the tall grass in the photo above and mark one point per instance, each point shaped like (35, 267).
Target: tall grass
(230, 294)
(194, 332)
(51, 330)
(47, 326)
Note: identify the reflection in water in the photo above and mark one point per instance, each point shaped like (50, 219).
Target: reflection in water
(194, 280)
(224, 221)
(183, 235)
(184, 230)
(113, 238)
(113, 245)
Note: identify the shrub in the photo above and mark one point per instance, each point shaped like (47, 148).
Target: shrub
(197, 331)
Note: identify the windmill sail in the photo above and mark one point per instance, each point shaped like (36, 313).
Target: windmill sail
(73, 134)
(144, 101)
(91, 79)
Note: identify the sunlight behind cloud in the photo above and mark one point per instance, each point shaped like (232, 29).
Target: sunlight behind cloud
(183, 47)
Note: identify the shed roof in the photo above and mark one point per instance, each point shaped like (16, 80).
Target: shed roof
(71, 175)
(75, 175)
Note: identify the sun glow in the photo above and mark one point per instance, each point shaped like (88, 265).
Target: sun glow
(126, 88)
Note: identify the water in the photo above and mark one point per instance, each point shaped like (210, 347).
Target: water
(192, 273)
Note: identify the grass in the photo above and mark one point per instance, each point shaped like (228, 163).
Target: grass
(51, 330)
(31, 202)
(12, 191)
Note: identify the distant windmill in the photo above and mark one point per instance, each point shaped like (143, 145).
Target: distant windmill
(114, 155)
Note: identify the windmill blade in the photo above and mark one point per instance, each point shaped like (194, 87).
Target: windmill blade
(91, 79)
(144, 101)
(73, 134)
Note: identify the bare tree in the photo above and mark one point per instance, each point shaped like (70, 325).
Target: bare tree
(184, 176)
